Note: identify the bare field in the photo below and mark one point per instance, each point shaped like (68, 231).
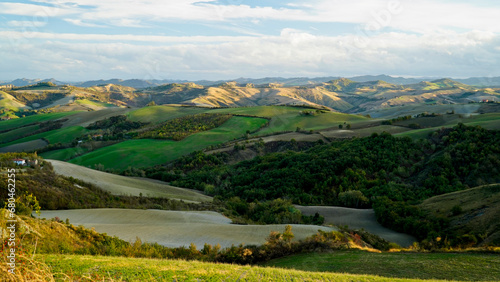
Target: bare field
(123, 185)
(25, 146)
(358, 219)
(363, 132)
(86, 118)
(176, 228)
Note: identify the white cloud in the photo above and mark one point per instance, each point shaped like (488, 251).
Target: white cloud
(116, 37)
(293, 53)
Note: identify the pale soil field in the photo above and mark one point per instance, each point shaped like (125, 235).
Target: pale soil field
(176, 228)
(25, 146)
(358, 219)
(66, 100)
(86, 118)
(363, 132)
(123, 185)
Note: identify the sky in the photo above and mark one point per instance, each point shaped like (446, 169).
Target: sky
(76, 40)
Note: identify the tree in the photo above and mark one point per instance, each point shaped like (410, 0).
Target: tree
(340, 126)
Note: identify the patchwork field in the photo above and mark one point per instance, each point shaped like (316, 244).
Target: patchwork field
(148, 152)
(122, 185)
(63, 135)
(289, 118)
(176, 228)
(358, 219)
(15, 123)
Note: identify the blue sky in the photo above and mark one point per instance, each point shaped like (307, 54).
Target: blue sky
(224, 39)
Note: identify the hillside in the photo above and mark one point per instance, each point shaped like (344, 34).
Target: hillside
(340, 94)
(122, 185)
(474, 211)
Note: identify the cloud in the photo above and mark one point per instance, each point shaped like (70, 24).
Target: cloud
(292, 53)
(403, 15)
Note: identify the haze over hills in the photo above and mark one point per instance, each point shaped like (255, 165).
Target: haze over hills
(293, 81)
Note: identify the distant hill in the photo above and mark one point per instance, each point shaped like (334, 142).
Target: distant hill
(293, 81)
(339, 94)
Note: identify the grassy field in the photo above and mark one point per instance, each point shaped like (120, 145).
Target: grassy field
(136, 269)
(148, 152)
(478, 210)
(122, 185)
(63, 135)
(489, 121)
(7, 101)
(15, 123)
(177, 228)
(288, 118)
(449, 266)
(63, 154)
(162, 113)
(94, 104)
(16, 133)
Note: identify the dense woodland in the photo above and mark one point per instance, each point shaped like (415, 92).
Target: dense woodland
(390, 174)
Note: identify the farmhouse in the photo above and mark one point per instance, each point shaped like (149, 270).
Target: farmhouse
(19, 161)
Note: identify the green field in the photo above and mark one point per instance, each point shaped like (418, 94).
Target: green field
(489, 121)
(18, 132)
(15, 123)
(135, 269)
(288, 118)
(98, 104)
(449, 266)
(148, 152)
(63, 135)
(63, 154)
(162, 113)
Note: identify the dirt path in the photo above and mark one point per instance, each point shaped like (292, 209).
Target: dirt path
(357, 219)
(176, 228)
(123, 185)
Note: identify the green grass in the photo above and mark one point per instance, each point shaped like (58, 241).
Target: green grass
(63, 154)
(148, 152)
(8, 102)
(162, 113)
(489, 121)
(288, 118)
(450, 266)
(136, 269)
(15, 123)
(94, 103)
(18, 132)
(63, 135)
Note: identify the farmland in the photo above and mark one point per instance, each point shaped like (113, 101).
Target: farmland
(147, 152)
(176, 228)
(122, 185)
